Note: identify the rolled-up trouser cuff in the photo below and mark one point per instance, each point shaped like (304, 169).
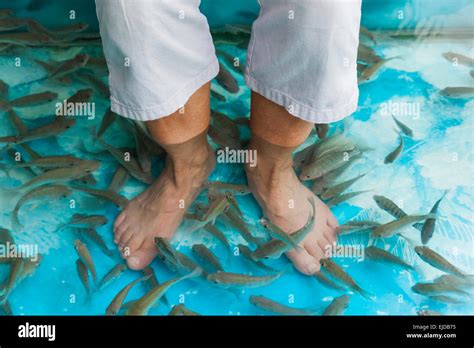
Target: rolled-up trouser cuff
(300, 110)
(173, 104)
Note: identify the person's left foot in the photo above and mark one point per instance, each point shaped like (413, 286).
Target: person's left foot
(285, 201)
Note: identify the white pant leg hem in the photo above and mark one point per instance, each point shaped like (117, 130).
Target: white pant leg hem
(300, 110)
(173, 104)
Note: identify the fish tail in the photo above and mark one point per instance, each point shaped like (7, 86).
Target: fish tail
(365, 294)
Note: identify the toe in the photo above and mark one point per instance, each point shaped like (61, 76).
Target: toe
(323, 241)
(132, 246)
(303, 262)
(125, 236)
(119, 233)
(142, 257)
(332, 221)
(313, 248)
(119, 219)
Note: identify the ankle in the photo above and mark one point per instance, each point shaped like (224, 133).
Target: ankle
(188, 169)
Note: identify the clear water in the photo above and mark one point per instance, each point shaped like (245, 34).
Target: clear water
(439, 158)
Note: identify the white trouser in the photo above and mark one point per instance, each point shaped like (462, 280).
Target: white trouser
(302, 55)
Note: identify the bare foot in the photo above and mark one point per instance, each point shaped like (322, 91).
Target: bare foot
(284, 201)
(159, 210)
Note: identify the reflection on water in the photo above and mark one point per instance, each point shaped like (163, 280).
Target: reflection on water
(416, 84)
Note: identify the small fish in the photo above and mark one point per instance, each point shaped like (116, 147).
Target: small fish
(323, 279)
(368, 33)
(430, 289)
(225, 124)
(463, 283)
(6, 236)
(337, 306)
(344, 197)
(235, 280)
(143, 305)
(277, 233)
(355, 226)
(114, 307)
(429, 226)
(92, 235)
(24, 39)
(85, 257)
(218, 96)
(369, 73)
(11, 281)
(84, 221)
(153, 282)
(70, 66)
(275, 247)
(241, 227)
(208, 256)
(3, 89)
(72, 28)
(128, 162)
(81, 96)
(367, 55)
(111, 275)
(438, 261)
(335, 271)
(53, 191)
(10, 23)
(34, 99)
(90, 80)
(269, 305)
(303, 156)
(457, 58)
(389, 229)
(245, 251)
(447, 299)
(59, 125)
(337, 189)
(392, 156)
(83, 274)
(119, 179)
(180, 309)
(6, 12)
(234, 62)
(213, 230)
(223, 141)
(217, 207)
(389, 206)
(63, 174)
(236, 189)
(226, 80)
(322, 130)
(427, 312)
(327, 163)
(403, 127)
(458, 92)
(5, 308)
(107, 120)
(108, 195)
(51, 162)
(381, 255)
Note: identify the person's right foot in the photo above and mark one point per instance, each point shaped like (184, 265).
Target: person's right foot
(159, 210)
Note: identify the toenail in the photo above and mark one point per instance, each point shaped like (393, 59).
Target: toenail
(312, 268)
(133, 261)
